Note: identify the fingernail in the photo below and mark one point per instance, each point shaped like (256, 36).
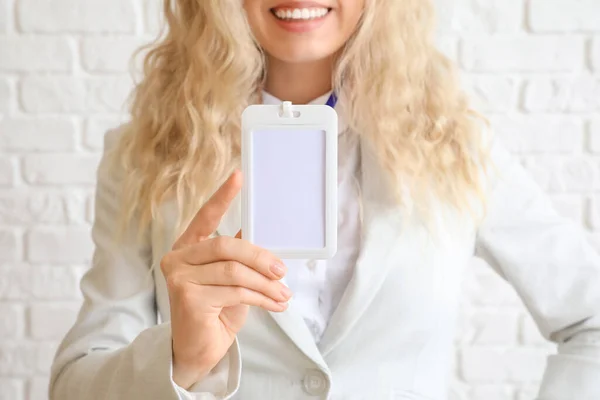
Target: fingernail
(286, 292)
(278, 269)
(284, 305)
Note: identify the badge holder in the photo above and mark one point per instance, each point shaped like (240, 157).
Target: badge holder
(289, 195)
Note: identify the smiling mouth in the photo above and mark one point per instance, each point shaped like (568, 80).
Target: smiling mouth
(300, 14)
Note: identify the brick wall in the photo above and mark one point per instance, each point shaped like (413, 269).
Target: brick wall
(533, 66)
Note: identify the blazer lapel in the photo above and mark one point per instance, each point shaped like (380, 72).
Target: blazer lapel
(292, 323)
(379, 248)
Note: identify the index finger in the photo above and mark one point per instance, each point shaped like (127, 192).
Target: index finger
(210, 214)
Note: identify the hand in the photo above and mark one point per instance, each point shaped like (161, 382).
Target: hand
(211, 284)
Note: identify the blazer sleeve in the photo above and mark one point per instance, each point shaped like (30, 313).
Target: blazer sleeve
(116, 350)
(555, 271)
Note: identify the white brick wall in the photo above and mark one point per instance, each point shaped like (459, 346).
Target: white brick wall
(532, 66)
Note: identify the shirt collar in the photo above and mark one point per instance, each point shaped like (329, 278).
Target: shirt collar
(268, 98)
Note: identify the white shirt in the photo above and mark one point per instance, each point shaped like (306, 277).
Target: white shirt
(318, 285)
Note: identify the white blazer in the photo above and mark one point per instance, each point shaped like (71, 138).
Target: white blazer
(391, 336)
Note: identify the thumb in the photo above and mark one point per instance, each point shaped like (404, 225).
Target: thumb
(209, 216)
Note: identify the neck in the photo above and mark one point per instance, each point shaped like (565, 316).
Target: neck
(299, 83)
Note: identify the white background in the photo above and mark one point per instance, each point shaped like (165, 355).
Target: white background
(532, 65)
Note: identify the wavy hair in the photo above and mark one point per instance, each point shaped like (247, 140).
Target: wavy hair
(401, 95)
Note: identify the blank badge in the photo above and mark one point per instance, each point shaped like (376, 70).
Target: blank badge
(289, 196)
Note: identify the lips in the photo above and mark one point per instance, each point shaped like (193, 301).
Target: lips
(300, 16)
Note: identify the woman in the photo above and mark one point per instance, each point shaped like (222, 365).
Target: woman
(178, 306)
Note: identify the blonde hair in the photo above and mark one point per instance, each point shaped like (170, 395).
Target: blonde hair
(401, 94)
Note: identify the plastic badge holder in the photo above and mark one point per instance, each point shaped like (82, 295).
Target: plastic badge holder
(289, 195)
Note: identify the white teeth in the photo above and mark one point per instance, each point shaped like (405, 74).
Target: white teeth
(301, 14)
